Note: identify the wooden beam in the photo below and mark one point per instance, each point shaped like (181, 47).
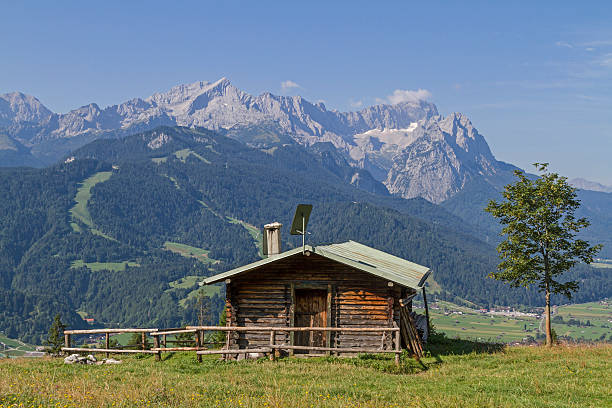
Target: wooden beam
(156, 346)
(292, 316)
(197, 341)
(163, 333)
(328, 317)
(235, 351)
(97, 350)
(295, 329)
(397, 346)
(107, 343)
(272, 341)
(337, 349)
(101, 331)
(426, 311)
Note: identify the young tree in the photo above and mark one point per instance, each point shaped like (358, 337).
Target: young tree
(55, 340)
(540, 229)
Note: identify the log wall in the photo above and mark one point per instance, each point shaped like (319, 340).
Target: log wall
(263, 297)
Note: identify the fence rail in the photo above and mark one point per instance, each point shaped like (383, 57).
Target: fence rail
(272, 349)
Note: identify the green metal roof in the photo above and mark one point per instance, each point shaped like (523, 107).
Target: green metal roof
(354, 254)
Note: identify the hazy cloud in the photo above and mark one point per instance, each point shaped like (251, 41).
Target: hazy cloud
(406, 95)
(356, 104)
(287, 85)
(564, 44)
(605, 60)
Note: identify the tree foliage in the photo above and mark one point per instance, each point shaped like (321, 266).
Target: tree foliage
(55, 340)
(540, 227)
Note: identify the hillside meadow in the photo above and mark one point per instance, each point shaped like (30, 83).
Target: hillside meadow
(483, 376)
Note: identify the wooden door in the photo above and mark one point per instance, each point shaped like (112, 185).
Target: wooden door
(310, 311)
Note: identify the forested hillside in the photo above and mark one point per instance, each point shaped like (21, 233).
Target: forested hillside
(124, 230)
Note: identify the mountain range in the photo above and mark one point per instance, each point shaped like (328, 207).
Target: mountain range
(408, 146)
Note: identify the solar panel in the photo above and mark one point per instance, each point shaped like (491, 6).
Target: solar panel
(300, 219)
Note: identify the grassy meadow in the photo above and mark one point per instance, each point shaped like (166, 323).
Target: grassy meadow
(471, 324)
(467, 376)
(13, 348)
(80, 211)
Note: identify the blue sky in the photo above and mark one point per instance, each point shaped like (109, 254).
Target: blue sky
(534, 77)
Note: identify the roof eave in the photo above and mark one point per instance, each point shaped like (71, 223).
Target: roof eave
(246, 268)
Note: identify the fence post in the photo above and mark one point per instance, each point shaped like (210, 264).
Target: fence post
(198, 343)
(107, 344)
(397, 347)
(156, 345)
(143, 338)
(272, 341)
(66, 340)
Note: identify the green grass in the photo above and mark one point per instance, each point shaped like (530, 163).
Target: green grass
(483, 327)
(186, 282)
(599, 314)
(159, 160)
(208, 290)
(253, 231)
(183, 154)
(99, 266)
(189, 251)
(512, 377)
(80, 211)
(14, 348)
(474, 325)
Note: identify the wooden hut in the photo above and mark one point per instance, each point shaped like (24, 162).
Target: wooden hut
(346, 285)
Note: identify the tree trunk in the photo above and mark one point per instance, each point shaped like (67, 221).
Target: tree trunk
(547, 311)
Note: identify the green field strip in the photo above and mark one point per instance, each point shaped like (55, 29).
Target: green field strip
(189, 252)
(100, 266)
(159, 160)
(186, 282)
(13, 347)
(183, 154)
(80, 211)
(253, 231)
(472, 324)
(208, 290)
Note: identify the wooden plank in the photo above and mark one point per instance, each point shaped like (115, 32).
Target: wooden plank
(104, 350)
(155, 346)
(426, 311)
(292, 315)
(397, 348)
(198, 345)
(100, 331)
(336, 349)
(163, 333)
(235, 351)
(328, 320)
(168, 349)
(290, 329)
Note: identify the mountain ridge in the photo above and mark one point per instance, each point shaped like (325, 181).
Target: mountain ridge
(408, 146)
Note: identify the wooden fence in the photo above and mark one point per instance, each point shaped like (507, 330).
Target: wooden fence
(273, 349)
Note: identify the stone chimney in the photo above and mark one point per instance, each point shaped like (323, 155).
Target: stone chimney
(272, 238)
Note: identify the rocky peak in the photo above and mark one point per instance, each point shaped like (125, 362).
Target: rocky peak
(444, 154)
(18, 107)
